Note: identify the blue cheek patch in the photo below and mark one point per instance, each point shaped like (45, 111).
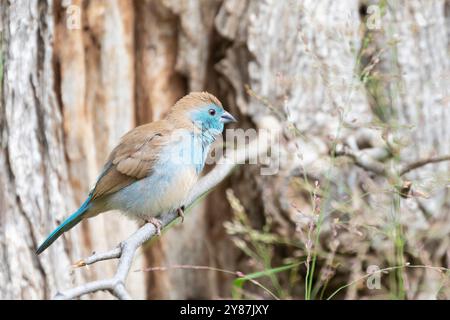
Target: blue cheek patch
(208, 122)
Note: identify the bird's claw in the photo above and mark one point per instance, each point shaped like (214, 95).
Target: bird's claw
(180, 212)
(157, 223)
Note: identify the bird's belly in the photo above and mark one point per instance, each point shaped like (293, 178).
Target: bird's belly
(157, 194)
(174, 193)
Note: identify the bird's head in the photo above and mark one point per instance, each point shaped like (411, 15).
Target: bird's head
(204, 110)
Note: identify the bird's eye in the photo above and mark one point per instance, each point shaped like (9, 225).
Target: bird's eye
(212, 112)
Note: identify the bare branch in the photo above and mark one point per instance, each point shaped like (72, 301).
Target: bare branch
(125, 252)
(95, 257)
(423, 162)
(368, 161)
(362, 159)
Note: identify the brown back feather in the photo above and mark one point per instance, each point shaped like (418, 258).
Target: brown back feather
(133, 158)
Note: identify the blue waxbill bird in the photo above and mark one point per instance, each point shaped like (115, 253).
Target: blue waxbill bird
(155, 165)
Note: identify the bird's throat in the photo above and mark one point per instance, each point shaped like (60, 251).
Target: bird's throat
(205, 138)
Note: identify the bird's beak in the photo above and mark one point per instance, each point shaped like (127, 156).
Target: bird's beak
(227, 118)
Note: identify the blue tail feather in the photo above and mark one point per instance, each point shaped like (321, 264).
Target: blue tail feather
(68, 224)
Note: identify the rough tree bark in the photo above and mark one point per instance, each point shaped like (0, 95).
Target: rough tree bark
(34, 171)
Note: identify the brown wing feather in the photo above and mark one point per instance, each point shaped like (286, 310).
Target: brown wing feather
(133, 158)
(112, 181)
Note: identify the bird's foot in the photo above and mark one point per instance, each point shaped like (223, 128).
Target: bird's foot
(157, 223)
(180, 212)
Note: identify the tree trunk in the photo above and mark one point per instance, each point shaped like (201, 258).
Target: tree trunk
(35, 192)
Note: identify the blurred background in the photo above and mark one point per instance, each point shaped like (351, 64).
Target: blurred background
(359, 90)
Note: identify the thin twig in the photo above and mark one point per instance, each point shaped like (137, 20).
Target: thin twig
(404, 187)
(438, 269)
(362, 159)
(112, 254)
(423, 162)
(237, 274)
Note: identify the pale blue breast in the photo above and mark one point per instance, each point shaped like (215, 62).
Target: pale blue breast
(172, 178)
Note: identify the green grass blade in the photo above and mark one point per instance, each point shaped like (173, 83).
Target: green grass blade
(239, 282)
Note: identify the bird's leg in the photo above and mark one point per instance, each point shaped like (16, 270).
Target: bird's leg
(180, 212)
(157, 223)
